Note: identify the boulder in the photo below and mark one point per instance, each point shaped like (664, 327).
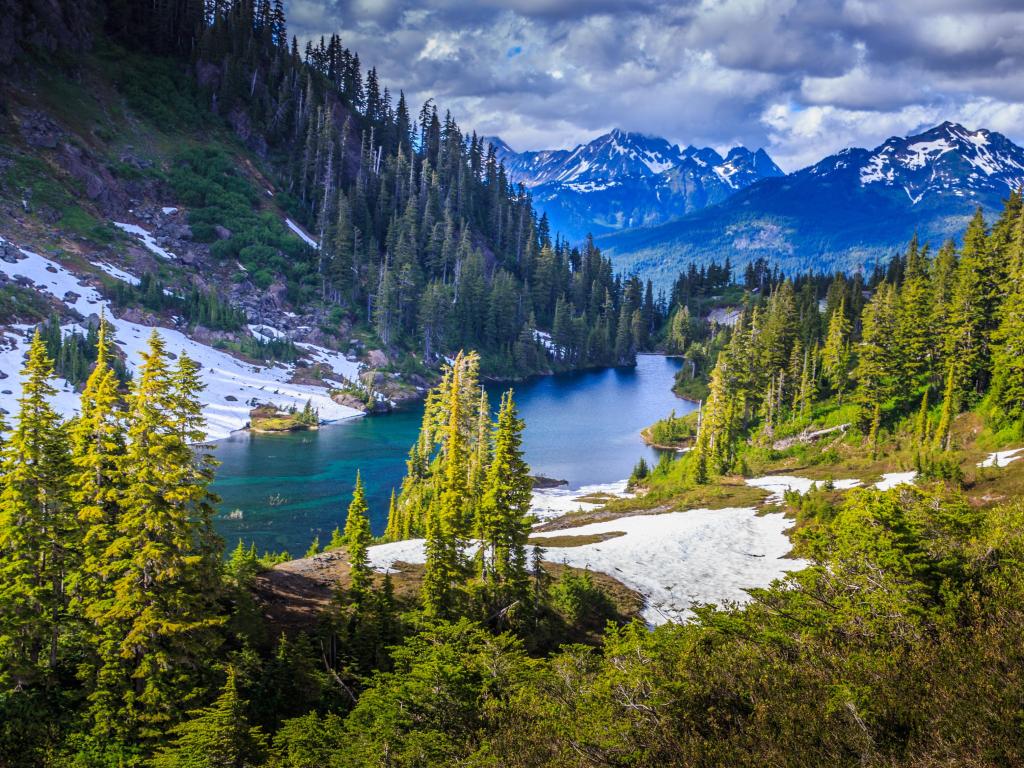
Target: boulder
(376, 358)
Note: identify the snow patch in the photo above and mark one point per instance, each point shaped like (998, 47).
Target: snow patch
(233, 387)
(549, 503)
(778, 485)
(1001, 458)
(674, 560)
(146, 239)
(302, 233)
(892, 479)
(120, 274)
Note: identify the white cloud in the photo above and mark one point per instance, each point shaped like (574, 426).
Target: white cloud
(802, 78)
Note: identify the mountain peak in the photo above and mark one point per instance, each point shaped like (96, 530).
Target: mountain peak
(947, 159)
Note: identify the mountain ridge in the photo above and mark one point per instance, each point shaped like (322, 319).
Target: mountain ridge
(624, 179)
(848, 211)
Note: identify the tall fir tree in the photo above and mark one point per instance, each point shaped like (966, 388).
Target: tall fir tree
(38, 530)
(357, 538)
(162, 620)
(504, 525)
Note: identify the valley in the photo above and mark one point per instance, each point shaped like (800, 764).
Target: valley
(336, 432)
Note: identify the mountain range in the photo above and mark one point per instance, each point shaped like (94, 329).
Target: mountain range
(849, 211)
(624, 180)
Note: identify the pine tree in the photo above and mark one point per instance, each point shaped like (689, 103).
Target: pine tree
(973, 310)
(357, 538)
(916, 333)
(921, 427)
(950, 408)
(447, 515)
(878, 367)
(98, 454)
(835, 358)
(38, 530)
(219, 736)
(163, 564)
(504, 526)
(1007, 392)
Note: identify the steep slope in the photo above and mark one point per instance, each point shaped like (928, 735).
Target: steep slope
(622, 180)
(848, 211)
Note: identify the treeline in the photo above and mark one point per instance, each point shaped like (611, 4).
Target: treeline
(74, 354)
(421, 236)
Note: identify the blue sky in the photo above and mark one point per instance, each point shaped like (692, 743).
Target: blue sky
(801, 78)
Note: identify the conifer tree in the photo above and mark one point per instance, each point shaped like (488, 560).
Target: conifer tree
(1007, 390)
(38, 530)
(972, 311)
(921, 428)
(878, 366)
(357, 539)
(447, 515)
(98, 454)
(950, 408)
(835, 357)
(162, 619)
(504, 526)
(218, 736)
(916, 333)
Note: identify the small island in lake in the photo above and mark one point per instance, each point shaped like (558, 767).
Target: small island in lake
(271, 418)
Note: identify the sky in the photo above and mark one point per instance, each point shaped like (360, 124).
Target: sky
(800, 78)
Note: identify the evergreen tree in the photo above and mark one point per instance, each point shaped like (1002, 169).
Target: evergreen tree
(38, 530)
(950, 408)
(162, 619)
(504, 526)
(835, 357)
(1007, 391)
(98, 451)
(219, 736)
(357, 539)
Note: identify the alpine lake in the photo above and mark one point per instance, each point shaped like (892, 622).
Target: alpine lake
(282, 490)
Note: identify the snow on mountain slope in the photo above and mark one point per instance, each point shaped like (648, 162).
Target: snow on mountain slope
(945, 160)
(233, 386)
(622, 180)
(852, 210)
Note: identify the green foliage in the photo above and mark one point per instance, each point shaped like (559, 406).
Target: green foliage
(580, 601)
(219, 736)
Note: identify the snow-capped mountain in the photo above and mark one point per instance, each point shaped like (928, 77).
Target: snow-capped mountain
(948, 159)
(850, 210)
(622, 180)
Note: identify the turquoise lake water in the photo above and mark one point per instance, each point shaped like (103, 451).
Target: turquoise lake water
(580, 427)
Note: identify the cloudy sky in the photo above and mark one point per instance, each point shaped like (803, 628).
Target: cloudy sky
(801, 78)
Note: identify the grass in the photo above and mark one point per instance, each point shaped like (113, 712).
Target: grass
(573, 541)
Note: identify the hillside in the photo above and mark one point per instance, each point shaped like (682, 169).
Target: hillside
(850, 211)
(623, 180)
(277, 213)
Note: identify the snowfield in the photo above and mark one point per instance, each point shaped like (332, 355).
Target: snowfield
(233, 387)
(549, 503)
(1001, 458)
(892, 479)
(777, 485)
(146, 239)
(674, 560)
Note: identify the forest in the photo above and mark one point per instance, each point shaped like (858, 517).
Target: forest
(131, 636)
(127, 638)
